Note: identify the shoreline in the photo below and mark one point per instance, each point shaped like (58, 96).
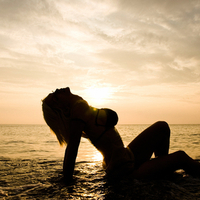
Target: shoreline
(43, 179)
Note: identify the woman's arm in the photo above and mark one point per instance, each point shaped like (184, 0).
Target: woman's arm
(71, 151)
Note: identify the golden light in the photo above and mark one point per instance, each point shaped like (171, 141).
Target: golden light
(98, 96)
(97, 156)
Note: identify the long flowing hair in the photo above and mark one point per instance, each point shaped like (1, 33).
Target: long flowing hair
(58, 122)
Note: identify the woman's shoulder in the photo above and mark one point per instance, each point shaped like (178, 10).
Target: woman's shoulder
(80, 109)
(81, 104)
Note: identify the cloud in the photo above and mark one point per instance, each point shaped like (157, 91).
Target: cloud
(131, 36)
(127, 45)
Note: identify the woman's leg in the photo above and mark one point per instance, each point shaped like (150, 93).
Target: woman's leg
(154, 139)
(164, 166)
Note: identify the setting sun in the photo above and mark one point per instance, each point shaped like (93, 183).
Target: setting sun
(98, 96)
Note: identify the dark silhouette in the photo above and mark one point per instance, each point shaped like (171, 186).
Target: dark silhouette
(70, 117)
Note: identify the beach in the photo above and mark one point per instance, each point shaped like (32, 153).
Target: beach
(32, 168)
(42, 179)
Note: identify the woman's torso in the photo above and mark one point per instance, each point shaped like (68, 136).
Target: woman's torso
(106, 139)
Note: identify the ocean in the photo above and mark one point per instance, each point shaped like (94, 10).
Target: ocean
(31, 167)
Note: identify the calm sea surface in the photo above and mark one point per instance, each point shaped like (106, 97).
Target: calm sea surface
(31, 167)
(36, 141)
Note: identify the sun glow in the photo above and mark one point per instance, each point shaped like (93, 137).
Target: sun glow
(98, 96)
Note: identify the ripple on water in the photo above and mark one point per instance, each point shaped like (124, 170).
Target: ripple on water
(43, 179)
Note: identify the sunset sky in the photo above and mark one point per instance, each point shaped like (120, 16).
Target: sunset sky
(140, 58)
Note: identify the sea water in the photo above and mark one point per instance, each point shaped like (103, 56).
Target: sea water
(31, 166)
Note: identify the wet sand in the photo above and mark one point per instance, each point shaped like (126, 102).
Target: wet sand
(43, 179)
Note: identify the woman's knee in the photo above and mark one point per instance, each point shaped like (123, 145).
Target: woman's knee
(182, 157)
(181, 154)
(163, 127)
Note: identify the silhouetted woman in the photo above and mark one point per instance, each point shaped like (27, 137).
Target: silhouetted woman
(70, 118)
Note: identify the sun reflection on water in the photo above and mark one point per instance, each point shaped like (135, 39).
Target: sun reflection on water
(97, 156)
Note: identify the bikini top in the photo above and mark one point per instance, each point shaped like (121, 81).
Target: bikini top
(82, 106)
(112, 118)
(111, 121)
